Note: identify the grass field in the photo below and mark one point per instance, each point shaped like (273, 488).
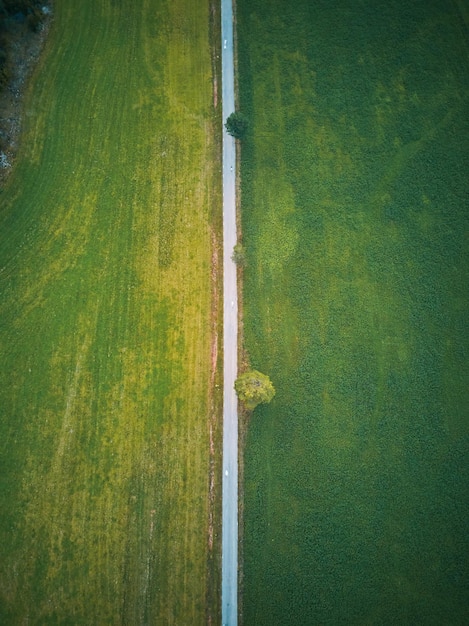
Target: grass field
(356, 223)
(108, 228)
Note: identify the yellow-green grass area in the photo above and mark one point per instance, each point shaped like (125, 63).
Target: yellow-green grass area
(355, 222)
(108, 324)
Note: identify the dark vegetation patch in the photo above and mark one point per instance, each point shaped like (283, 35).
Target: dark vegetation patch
(23, 24)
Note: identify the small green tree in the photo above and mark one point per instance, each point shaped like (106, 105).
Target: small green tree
(239, 255)
(254, 388)
(237, 125)
(35, 20)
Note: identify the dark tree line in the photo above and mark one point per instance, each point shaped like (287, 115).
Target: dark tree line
(15, 7)
(14, 14)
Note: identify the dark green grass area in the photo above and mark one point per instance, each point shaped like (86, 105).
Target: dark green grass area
(356, 226)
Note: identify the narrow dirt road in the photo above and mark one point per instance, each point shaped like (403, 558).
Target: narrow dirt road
(230, 338)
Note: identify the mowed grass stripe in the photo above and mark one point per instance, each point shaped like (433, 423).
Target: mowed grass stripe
(105, 323)
(355, 224)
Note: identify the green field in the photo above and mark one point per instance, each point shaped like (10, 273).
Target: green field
(108, 324)
(355, 222)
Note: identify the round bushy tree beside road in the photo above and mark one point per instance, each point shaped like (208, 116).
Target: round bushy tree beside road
(237, 125)
(254, 388)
